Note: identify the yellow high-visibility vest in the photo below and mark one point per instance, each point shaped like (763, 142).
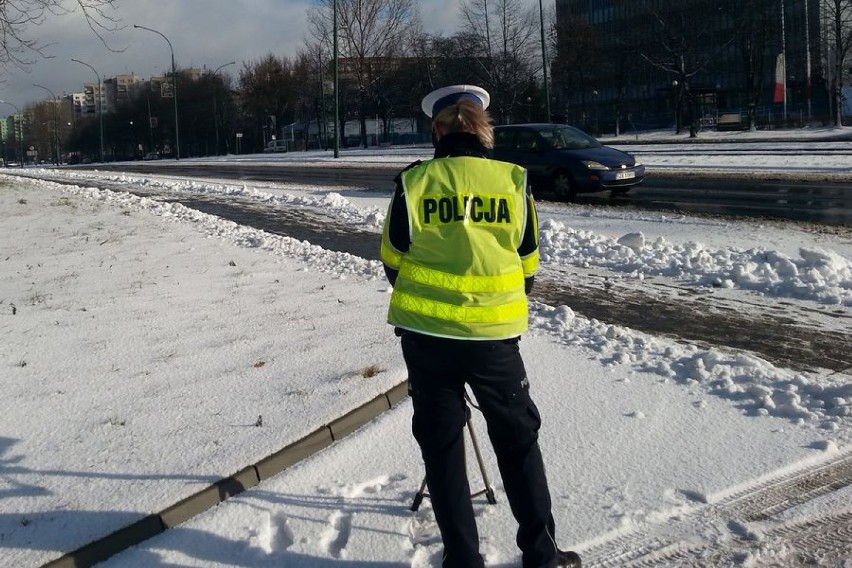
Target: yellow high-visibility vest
(462, 276)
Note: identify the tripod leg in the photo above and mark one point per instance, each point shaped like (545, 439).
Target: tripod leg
(418, 497)
(489, 492)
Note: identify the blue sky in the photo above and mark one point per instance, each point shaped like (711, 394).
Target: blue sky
(202, 32)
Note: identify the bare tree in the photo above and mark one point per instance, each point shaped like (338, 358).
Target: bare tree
(268, 93)
(752, 25)
(508, 42)
(373, 35)
(684, 47)
(17, 17)
(312, 90)
(838, 14)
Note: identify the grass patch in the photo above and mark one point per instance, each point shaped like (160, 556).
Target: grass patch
(38, 298)
(371, 371)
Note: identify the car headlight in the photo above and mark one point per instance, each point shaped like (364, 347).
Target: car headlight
(592, 165)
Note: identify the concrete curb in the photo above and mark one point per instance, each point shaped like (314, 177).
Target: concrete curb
(152, 525)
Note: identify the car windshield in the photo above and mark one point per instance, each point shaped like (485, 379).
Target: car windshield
(569, 138)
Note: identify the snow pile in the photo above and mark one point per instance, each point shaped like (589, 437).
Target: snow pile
(756, 386)
(818, 275)
(322, 259)
(331, 202)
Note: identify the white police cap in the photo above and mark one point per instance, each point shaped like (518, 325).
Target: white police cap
(435, 101)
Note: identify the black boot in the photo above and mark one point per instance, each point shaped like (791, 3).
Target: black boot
(568, 559)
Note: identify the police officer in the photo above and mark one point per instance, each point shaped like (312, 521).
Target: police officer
(460, 247)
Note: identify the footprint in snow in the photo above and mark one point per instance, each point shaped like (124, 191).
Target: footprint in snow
(276, 536)
(422, 530)
(426, 558)
(336, 536)
(424, 540)
(369, 487)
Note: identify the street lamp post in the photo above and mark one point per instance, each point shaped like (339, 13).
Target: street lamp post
(336, 85)
(174, 86)
(215, 112)
(100, 102)
(595, 97)
(544, 62)
(21, 137)
(675, 85)
(55, 122)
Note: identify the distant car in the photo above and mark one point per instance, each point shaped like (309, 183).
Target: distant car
(566, 160)
(276, 146)
(151, 156)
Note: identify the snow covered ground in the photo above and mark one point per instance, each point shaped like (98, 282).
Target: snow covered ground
(149, 350)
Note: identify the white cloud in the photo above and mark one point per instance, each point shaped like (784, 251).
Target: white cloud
(202, 32)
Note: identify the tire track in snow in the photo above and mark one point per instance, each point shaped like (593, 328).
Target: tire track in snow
(749, 519)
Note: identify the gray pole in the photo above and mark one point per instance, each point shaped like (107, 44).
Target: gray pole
(808, 60)
(487, 30)
(174, 87)
(215, 115)
(100, 102)
(544, 62)
(336, 87)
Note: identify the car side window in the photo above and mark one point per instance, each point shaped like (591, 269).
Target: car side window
(527, 141)
(503, 139)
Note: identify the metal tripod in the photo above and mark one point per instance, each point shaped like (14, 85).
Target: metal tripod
(488, 491)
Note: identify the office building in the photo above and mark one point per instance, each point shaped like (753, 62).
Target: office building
(654, 63)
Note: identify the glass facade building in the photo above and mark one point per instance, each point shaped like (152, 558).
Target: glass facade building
(656, 63)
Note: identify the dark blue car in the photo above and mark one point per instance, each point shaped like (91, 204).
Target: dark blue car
(566, 160)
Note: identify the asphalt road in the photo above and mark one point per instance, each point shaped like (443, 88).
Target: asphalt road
(813, 200)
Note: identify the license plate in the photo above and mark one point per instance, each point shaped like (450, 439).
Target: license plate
(625, 175)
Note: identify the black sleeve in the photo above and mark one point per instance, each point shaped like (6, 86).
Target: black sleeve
(529, 243)
(391, 275)
(398, 228)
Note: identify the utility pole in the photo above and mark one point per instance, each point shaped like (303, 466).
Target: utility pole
(544, 61)
(100, 101)
(174, 86)
(336, 85)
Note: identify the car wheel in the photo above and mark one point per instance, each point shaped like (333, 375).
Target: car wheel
(563, 186)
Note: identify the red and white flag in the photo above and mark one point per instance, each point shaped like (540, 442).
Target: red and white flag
(780, 79)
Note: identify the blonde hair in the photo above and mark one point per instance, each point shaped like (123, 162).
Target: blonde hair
(467, 116)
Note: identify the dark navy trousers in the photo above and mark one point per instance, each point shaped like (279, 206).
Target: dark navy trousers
(438, 370)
